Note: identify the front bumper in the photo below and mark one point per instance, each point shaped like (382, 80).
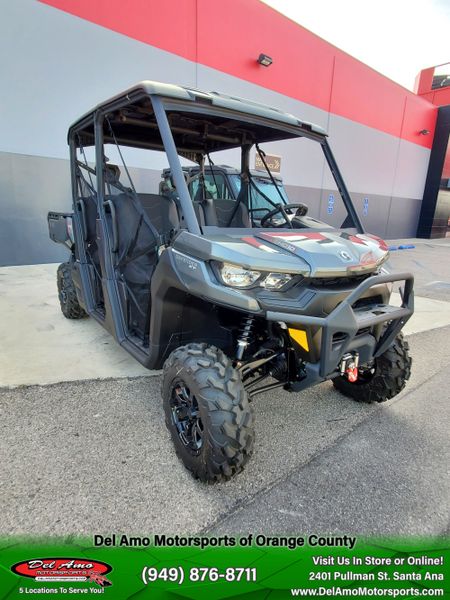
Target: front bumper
(347, 320)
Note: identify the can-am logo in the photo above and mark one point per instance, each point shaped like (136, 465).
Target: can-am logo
(64, 569)
(345, 255)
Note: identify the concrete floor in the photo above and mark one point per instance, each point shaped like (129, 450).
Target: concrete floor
(91, 456)
(40, 346)
(429, 261)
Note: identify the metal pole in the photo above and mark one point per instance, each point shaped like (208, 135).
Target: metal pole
(99, 172)
(175, 166)
(341, 186)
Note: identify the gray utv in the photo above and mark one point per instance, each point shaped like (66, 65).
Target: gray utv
(230, 298)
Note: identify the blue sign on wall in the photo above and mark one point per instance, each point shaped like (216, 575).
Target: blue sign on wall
(365, 206)
(330, 204)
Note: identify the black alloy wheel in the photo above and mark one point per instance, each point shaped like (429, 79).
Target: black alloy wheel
(186, 417)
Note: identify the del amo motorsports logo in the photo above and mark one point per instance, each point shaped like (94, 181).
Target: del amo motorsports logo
(64, 570)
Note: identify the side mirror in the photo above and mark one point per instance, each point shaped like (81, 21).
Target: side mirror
(301, 210)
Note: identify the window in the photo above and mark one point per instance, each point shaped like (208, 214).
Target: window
(441, 77)
(266, 187)
(215, 187)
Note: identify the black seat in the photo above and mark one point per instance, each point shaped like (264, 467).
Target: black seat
(161, 211)
(143, 223)
(218, 212)
(209, 211)
(199, 213)
(224, 211)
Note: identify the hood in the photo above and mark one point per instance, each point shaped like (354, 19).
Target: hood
(329, 253)
(323, 252)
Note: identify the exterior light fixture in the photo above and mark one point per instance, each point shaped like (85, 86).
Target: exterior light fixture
(424, 132)
(264, 60)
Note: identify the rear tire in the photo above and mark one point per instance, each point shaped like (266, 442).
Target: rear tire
(67, 294)
(207, 412)
(390, 373)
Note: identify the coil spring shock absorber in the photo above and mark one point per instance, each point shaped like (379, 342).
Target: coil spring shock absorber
(245, 335)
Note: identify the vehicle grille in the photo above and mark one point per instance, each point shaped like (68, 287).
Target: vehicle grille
(337, 282)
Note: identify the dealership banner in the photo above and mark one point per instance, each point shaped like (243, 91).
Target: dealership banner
(250, 566)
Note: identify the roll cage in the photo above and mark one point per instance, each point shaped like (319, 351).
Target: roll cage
(192, 124)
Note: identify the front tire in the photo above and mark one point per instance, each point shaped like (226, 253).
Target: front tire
(67, 294)
(207, 412)
(384, 380)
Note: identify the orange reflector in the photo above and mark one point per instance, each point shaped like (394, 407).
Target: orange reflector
(299, 335)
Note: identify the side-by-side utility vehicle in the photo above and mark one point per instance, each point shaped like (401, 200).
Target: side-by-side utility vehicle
(231, 297)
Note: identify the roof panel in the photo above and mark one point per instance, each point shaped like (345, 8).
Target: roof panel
(241, 105)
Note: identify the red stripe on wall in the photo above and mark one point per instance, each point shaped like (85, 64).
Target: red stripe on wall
(232, 35)
(166, 24)
(229, 36)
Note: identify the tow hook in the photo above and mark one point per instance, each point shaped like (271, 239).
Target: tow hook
(349, 366)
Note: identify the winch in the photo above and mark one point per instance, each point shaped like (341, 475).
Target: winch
(349, 366)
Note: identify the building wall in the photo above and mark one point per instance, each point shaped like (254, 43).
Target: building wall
(439, 96)
(64, 56)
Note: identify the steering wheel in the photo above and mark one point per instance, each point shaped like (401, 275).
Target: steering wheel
(301, 210)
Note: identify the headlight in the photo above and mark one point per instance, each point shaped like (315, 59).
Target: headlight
(275, 281)
(239, 277)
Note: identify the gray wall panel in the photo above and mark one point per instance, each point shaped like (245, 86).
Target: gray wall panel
(33, 186)
(375, 221)
(403, 218)
(411, 171)
(366, 157)
(59, 66)
(309, 196)
(337, 217)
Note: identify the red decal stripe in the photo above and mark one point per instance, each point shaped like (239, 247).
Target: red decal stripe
(252, 242)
